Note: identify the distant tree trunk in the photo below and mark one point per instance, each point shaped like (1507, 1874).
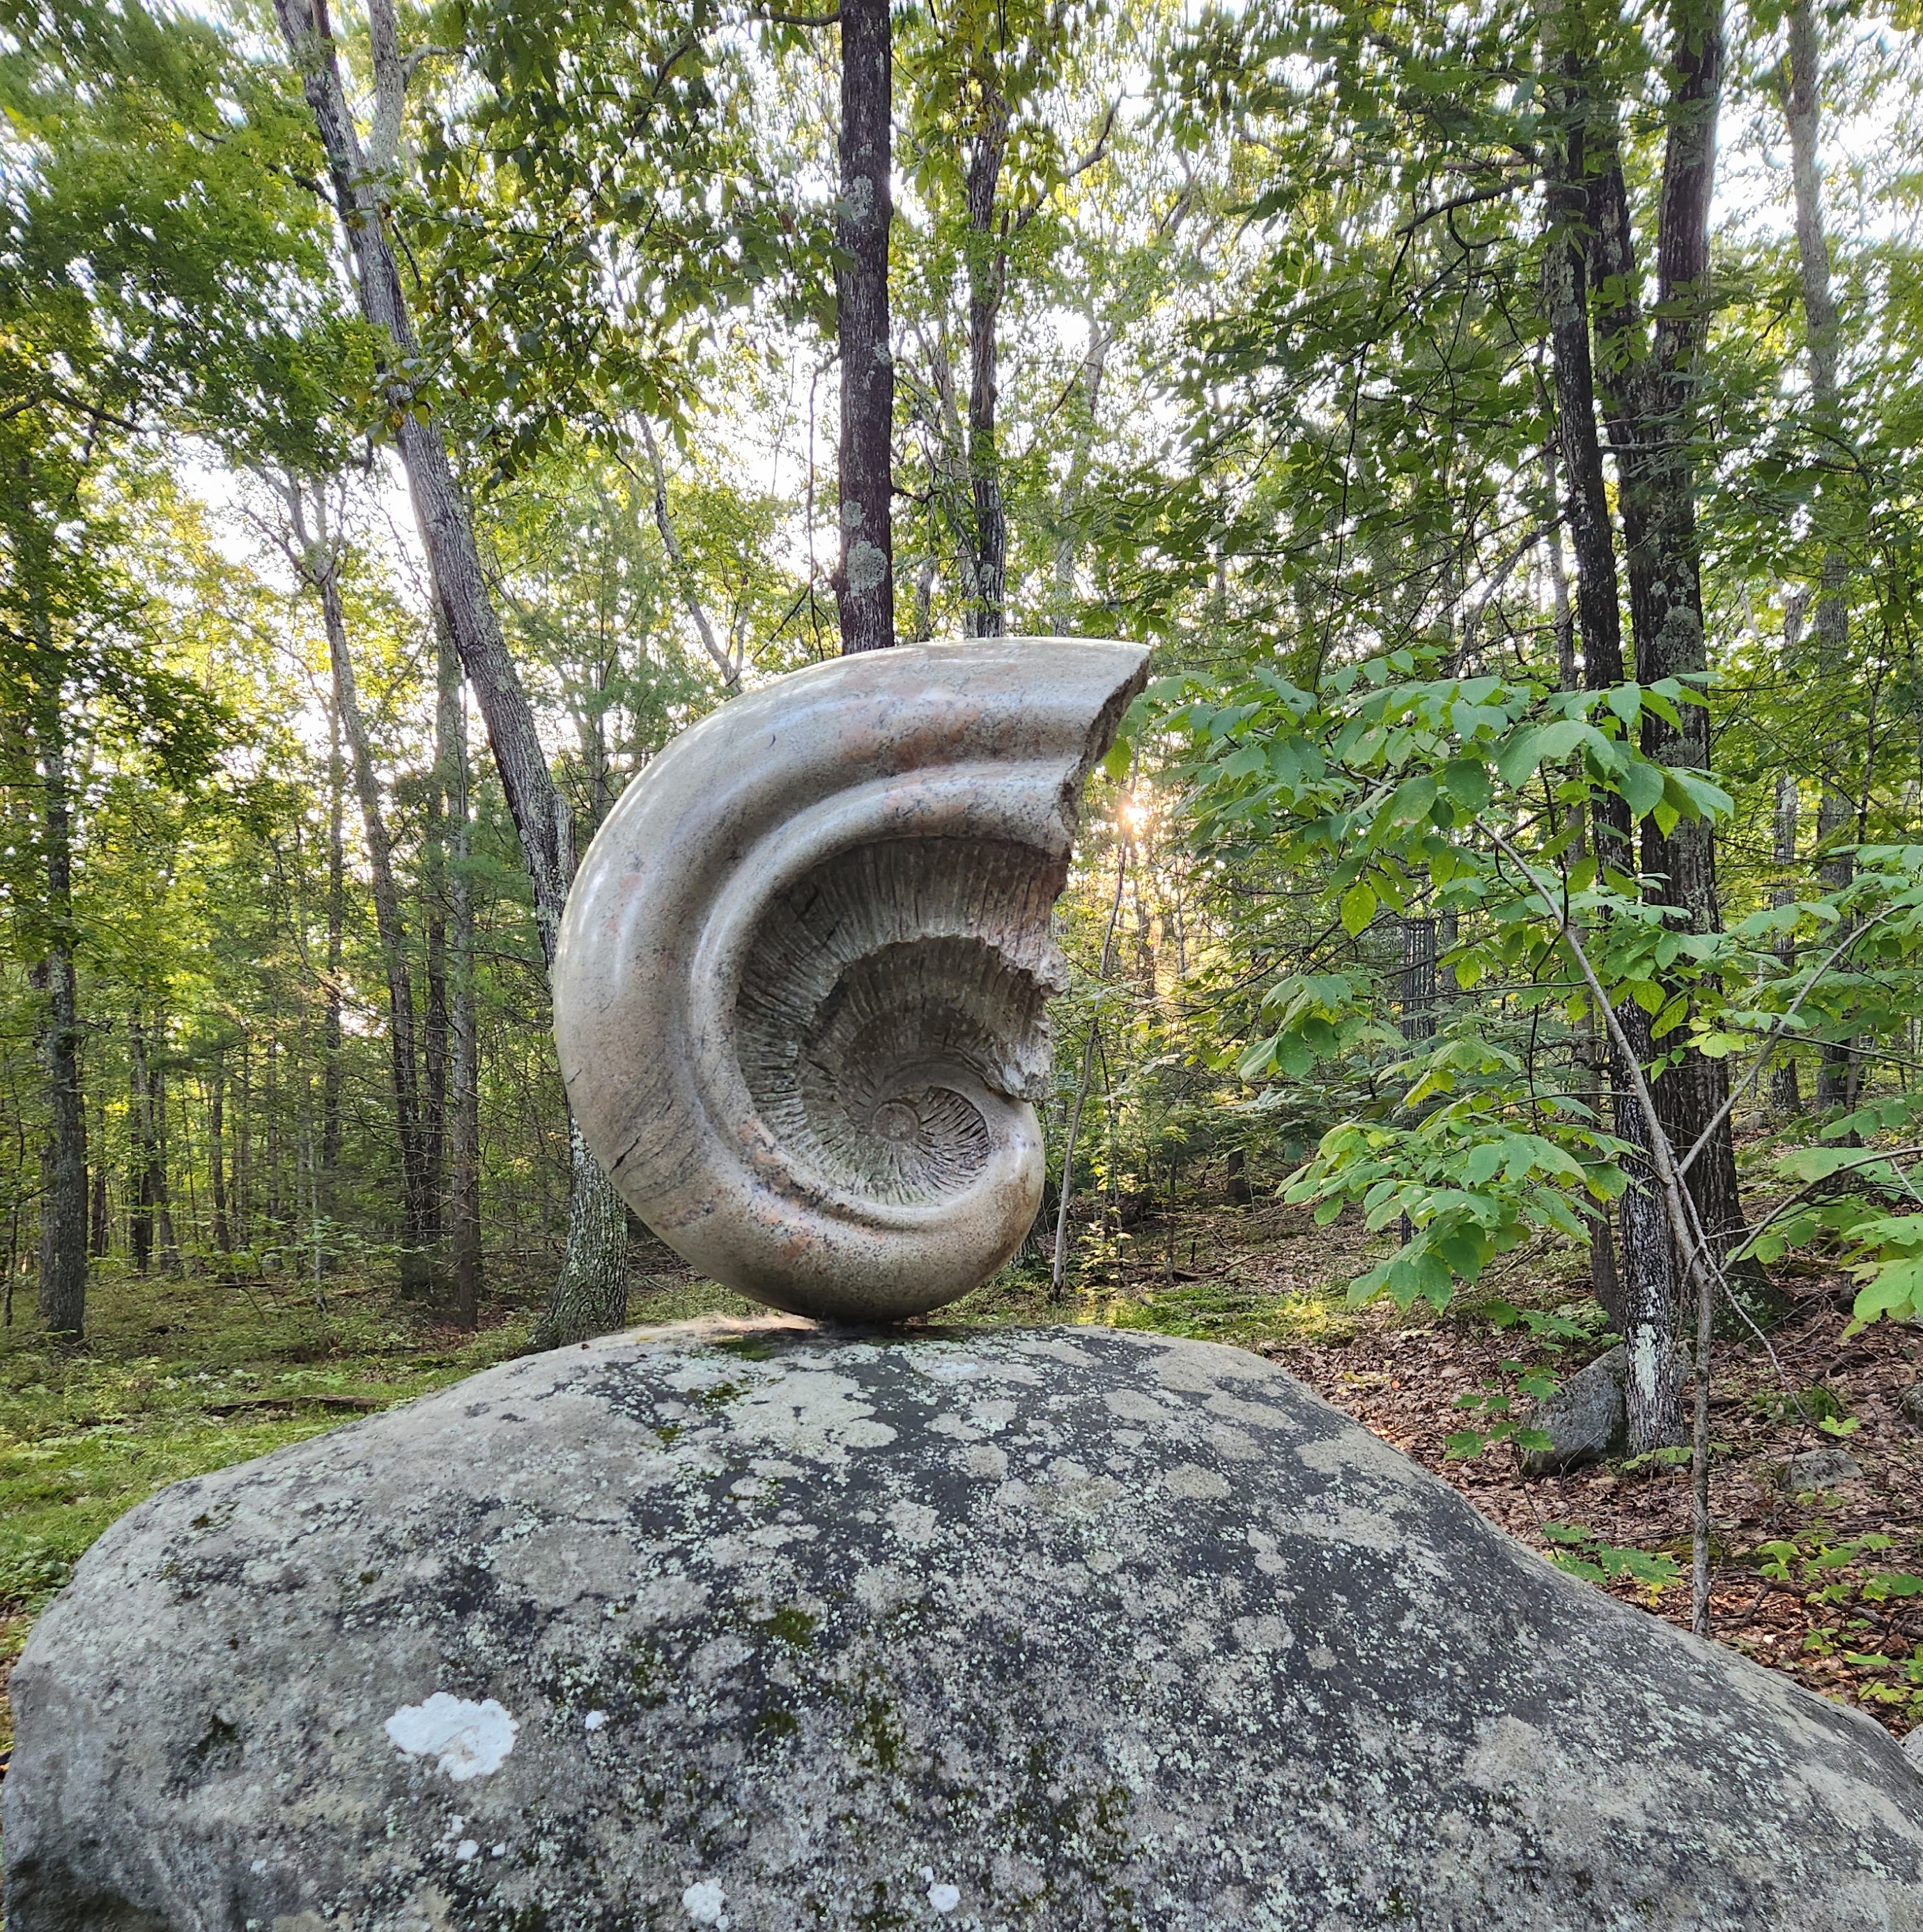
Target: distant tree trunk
(100, 1227)
(140, 1160)
(1784, 1093)
(590, 1296)
(159, 1191)
(865, 580)
(320, 563)
(1803, 111)
(63, 1165)
(464, 1069)
(217, 1092)
(243, 1191)
(1653, 1392)
(434, 1026)
(337, 911)
(1235, 1185)
(988, 279)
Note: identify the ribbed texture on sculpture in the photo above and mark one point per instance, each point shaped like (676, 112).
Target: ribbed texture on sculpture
(801, 993)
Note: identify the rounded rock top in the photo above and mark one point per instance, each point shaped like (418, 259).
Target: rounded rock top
(1066, 1629)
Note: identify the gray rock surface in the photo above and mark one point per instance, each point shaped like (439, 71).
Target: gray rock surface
(1068, 1629)
(1910, 1404)
(1816, 1469)
(801, 995)
(1586, 1419)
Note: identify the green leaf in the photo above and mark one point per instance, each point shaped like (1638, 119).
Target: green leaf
(1358, 909)
(1466, 781)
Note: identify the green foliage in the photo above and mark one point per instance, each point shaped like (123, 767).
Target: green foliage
(1582, 1552)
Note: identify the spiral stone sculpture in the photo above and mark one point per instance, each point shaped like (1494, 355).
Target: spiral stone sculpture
(801, 993)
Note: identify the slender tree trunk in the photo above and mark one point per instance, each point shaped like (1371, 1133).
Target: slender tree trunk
(590, 1295)
(323, 570)
(988, 277)
(464, 1070)
(337, 912)
(1784, 1093)
(160, 1191)
(216, 1154)
(140, 1139)
(434, 1027)
(100, 1230)
(243, 1194)
(865, 580)
(63, 1165)
(1803, 111)
(1647, 1291)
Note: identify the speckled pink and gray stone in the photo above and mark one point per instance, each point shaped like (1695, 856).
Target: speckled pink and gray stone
(800, 996)
(1068, 1629)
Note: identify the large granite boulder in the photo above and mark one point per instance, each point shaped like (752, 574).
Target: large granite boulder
(1062, 1629)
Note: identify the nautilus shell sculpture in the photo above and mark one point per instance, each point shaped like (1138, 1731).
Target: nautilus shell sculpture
(802, 989)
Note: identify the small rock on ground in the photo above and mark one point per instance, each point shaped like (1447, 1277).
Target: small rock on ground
(1586, 1419)
(1821, 1469)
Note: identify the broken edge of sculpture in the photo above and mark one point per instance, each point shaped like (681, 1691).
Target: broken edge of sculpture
(800, 997)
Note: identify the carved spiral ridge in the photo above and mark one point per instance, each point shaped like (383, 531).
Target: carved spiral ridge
(801, 993)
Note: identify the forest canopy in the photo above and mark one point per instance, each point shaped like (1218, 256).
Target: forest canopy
(1503, 422)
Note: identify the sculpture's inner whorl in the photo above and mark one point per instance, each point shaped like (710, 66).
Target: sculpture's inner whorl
(884, 987)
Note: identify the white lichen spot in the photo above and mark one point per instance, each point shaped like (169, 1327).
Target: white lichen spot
(704, 1902)
(596, 1719)
(466, 1739)
(1194, 1483)
(467, 1848)
(868, 565)
(943, 1896)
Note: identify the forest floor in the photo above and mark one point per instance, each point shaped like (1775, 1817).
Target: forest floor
(182, 1376)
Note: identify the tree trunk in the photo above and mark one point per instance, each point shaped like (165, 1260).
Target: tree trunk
(988, 276)
(1647, 390)
(159, 1192)
(1784, 1093)
(1803, 111)
(139, 1162)
(865, 580)
(321, 565)
(240, 1206)
(100, 1221)
(216, 1094)
(1646, 1290)
(597, 1231)
(464, 1069)
(435, 1022)
(337, 910)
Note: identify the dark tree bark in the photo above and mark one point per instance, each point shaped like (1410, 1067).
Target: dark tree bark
(1646, 1276)
(1647, 380)
(590, 1296)
(988, 281)
(864, 579)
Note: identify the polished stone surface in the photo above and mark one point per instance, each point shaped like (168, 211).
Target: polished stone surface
(801, 992)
